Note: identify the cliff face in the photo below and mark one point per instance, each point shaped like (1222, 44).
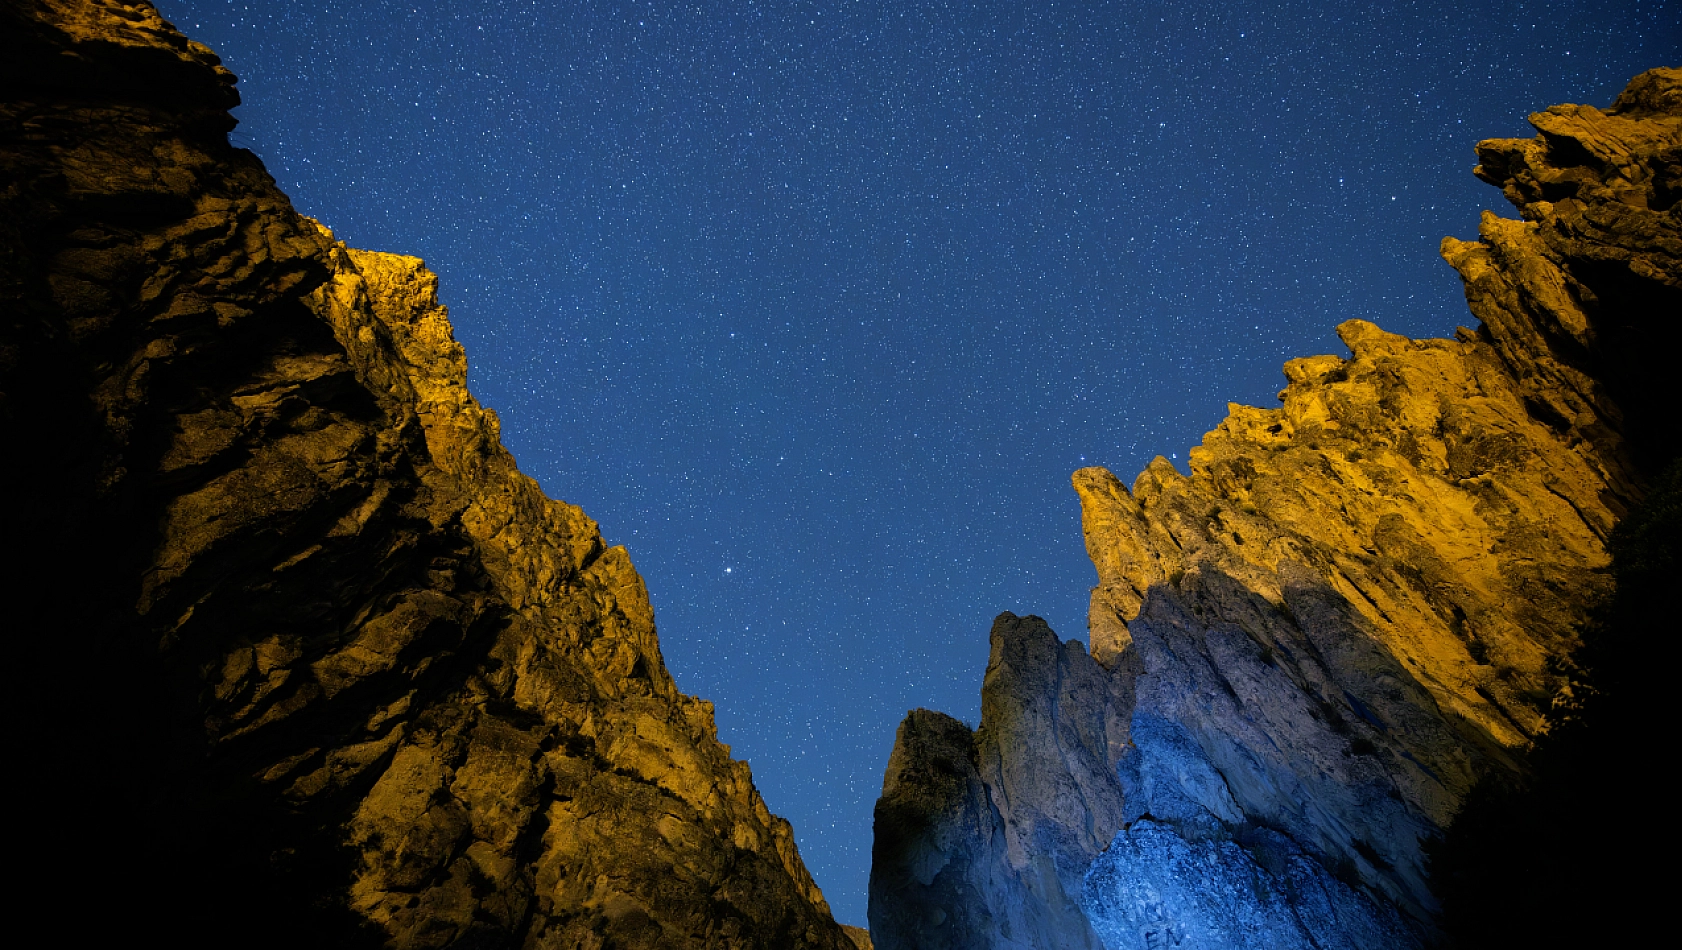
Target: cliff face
(300, 648)
(1359, 603)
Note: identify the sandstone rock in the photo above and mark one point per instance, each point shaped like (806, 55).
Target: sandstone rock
(305, 652)
(1357, 604)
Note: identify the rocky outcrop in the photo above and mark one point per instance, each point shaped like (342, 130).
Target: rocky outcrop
(1359, 603)
(305, 659)
(982, 839)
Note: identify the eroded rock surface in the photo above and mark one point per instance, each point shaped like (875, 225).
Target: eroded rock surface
(1357, 604)
(301, 651)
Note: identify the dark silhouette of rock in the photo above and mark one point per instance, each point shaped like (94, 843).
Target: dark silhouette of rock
(1358, 605)
(299, 656)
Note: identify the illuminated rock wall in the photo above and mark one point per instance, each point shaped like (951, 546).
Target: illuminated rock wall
(1356, 604)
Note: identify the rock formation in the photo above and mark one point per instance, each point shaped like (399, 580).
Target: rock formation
(982, 839)
(299, 656)
(1354, 607)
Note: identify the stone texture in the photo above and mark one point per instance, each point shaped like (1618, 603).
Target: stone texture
(1358, 604)
(1156, 888)
(300, 640)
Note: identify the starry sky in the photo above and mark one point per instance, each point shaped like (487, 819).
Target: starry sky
(816, 306)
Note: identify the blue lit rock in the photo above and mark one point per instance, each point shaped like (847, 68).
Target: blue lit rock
(1154, 888)
(982, 839)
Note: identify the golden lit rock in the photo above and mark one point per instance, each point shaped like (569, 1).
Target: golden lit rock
(343, 673)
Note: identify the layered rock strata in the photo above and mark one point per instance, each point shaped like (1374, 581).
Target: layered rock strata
(1359, 603)
(300, 656)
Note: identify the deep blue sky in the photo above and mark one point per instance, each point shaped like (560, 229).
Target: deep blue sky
(815, 306)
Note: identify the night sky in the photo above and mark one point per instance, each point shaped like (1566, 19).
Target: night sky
(816, 306)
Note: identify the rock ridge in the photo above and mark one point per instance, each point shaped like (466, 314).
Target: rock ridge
(295, 628)
(1357, 605)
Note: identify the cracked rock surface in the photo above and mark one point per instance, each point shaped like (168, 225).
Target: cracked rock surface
(1356, 605)
(297, 644)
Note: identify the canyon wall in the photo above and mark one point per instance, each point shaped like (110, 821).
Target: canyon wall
(298, 655)
(1353, 608)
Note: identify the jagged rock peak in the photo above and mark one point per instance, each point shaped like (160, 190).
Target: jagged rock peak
(982, 838)
(1352, 608)
(357, 679)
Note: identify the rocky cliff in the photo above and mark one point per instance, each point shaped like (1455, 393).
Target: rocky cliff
(298, 655)
(983, 838)
(1306, 652)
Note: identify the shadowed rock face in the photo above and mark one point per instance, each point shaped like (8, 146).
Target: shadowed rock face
(296, 645)
(1357, 604)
